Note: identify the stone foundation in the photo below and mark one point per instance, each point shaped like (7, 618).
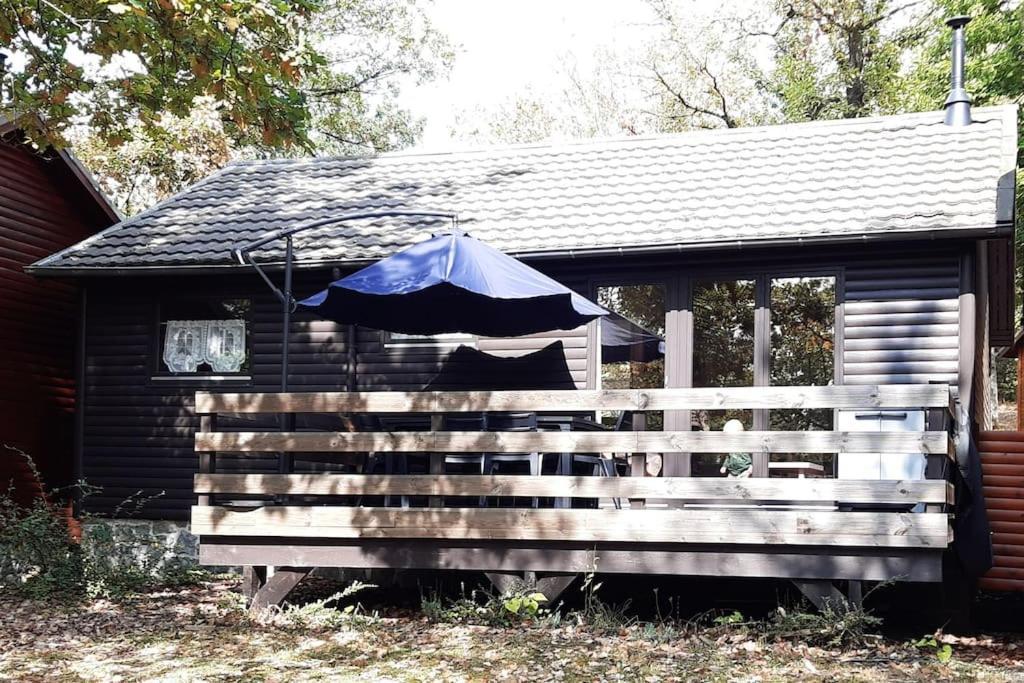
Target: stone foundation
(152, 546)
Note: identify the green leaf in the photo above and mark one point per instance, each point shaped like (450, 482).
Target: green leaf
(944, 653)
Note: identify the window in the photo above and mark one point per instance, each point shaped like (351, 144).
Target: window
(763, 330)
(632, 356)
(400, 340)
(204, 337)
(802, 354)
(723, 355)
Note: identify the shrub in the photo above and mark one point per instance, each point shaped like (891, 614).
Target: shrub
(39, 558)
(321, 614)
(521, 604)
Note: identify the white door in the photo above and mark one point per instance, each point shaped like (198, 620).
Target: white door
(859, 465)
(881, 465)
(903, 465)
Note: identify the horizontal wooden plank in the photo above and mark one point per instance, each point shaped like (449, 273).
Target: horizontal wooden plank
(1003, 585)
(682, 488)
(575, 442)
(737, 526)
(741, 561)
(712, 398)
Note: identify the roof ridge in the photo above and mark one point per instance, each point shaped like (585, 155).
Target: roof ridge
(881, 122)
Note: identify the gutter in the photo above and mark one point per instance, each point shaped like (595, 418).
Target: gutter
(989, 232)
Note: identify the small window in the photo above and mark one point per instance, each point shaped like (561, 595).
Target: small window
(444, 339)
(204, 337)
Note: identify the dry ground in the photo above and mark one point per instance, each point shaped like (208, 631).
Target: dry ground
(200, 633)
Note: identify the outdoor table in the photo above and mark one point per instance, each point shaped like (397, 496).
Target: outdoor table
(800, 470)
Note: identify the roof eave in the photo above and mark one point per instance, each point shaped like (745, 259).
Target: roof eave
(989, 232)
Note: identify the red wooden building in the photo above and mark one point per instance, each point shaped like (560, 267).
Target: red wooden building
(47, 202)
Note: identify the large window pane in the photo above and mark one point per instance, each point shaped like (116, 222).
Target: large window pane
(642, 311)
(803, 354)
(723, 354)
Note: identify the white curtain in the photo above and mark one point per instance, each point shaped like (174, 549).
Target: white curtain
(225, 345)
(189, 343)
(185, 345)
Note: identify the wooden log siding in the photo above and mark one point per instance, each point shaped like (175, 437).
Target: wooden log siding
(901, 322)
(43, 209)
(1002, 467)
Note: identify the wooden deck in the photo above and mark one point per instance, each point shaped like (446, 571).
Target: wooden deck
(812, 528)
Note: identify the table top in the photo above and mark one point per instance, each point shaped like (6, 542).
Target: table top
(797, 468)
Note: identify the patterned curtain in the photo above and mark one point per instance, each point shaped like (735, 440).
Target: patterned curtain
(225, 345)
(185, 345)
(189, 343)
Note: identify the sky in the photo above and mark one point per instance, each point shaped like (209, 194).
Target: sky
(508, 46)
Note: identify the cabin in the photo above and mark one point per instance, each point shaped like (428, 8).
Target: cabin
(48, 202)
(836, 287)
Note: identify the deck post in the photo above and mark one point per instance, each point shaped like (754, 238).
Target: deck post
(285, 459)
(822, 594)
(936, 467)
(436, 459)
(253, 578)
(277, 587)
(207, 460)
(638, 461)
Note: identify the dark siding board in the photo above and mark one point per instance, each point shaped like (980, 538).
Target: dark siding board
(901, 322)
(1002, 326)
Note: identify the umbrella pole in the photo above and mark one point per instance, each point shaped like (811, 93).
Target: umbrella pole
(286, 306)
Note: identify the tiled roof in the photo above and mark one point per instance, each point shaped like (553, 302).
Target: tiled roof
(842, 179)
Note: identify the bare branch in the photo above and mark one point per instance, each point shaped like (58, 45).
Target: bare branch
(691, 107)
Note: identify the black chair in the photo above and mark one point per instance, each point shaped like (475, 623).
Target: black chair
(467, 422)
(513, 422)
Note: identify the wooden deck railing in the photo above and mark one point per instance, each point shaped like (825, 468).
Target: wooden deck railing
(698, 511)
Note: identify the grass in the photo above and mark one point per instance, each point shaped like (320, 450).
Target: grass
(188, 633)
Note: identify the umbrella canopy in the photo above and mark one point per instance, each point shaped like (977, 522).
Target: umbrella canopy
(453, 283)
(622, 340)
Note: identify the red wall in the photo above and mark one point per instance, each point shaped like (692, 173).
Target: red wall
(43, 208)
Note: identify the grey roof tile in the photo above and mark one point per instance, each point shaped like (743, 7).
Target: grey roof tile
(898, 174)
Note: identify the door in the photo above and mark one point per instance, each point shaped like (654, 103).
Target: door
(881, 465)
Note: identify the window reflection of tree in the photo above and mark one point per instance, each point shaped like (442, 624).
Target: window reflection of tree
(803, 353)
(723, 354)
(643, 304)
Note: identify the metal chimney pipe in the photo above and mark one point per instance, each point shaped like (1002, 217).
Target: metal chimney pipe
(958, 102)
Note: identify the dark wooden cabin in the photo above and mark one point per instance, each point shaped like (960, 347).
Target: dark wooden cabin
(902, 222)
(47, 202)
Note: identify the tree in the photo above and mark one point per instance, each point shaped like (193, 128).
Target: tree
(701, 71)
(603, 101)
(152, 165)
(110, 64)
(155, 96)
(841, 58)
(371, 48)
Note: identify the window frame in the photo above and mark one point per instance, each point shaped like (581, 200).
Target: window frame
(428, 341)
(159, 375)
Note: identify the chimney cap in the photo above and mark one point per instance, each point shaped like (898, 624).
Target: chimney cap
(958, 22)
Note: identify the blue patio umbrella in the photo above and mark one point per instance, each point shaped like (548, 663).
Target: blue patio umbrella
(624, 340)
(453, 283)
